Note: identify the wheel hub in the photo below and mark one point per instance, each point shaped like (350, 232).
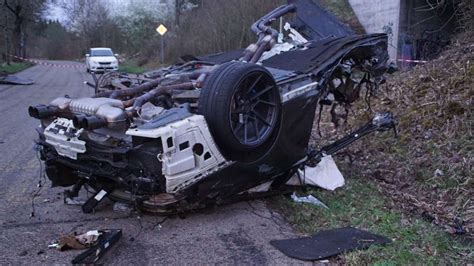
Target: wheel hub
(254, 113)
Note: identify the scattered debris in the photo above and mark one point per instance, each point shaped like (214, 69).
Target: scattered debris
(14, 80)
(122, 207)
(88, 239)
(93, 201)
(54, 244)
(309, 199)
(438, 173)
(325, 175)
(73, 202)
(82, 241)
(106, 240)
(326, 244)
(97, 242)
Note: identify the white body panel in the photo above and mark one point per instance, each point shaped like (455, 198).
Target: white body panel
(189, 152)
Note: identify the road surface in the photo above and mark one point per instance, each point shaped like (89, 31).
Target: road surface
(232, 234)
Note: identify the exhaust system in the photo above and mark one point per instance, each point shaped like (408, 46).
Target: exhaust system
(43, 111)
(266, 34)
(88, 122)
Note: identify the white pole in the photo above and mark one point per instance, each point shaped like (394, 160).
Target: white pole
(162, 51)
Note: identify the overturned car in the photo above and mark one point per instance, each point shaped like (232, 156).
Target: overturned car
(211, 128)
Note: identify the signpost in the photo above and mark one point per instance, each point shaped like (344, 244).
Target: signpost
(162, 31)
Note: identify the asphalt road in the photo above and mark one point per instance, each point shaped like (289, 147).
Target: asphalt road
(232, 234)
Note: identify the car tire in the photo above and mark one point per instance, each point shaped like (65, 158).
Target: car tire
(242, 106)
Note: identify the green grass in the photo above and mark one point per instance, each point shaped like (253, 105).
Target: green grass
(14, 67)
(360, 205)
(132, 68)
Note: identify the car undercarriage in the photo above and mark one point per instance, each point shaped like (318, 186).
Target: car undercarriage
(211, 128)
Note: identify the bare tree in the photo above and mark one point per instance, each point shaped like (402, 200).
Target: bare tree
(23, 12)
(91, 20)
(6, 31)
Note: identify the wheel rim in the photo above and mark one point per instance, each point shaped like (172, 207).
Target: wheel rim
(254, 109)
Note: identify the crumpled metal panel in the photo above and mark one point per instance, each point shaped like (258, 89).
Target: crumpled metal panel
(316, 23)
(14, 80)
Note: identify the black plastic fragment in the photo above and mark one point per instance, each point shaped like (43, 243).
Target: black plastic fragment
(316, 23)
(328, 243)
(91, 203)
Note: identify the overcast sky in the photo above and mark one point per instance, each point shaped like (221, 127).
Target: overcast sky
(116, 7)
(54, 12)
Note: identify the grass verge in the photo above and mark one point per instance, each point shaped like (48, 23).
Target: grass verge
(361, 205)
(14, 67)
(132, 68)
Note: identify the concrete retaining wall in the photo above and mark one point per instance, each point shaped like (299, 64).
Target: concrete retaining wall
(378, 16)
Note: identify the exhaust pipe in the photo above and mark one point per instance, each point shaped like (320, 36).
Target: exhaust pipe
(42, 111)
(94, 122)
(78, 121)
(88, 122)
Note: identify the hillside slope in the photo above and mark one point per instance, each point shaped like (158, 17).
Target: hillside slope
(429, 168)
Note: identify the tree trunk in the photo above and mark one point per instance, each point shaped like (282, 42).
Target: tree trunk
(7, 41)
(23, 43)
(16, 39)
(177, 13)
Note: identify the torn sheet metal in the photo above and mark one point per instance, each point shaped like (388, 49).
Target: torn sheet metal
(315, 23)
(328, 243)
(261, 188)
(14, 80)
(308, 199)
(325, 175)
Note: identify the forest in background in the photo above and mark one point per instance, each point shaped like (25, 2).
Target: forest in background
(195, 27)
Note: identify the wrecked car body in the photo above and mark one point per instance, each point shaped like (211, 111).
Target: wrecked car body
(210, 129)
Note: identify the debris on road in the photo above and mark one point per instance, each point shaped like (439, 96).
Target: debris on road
(309, 199)
(105, 241)
(14, 80)
(54, 244)
(97, 242)
(122, 207)
(73, 202)
(82, 241)
(328, 243)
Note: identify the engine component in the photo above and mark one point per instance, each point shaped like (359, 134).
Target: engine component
(64, 137)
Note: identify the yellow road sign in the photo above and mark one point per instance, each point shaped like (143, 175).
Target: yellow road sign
(161, 29)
